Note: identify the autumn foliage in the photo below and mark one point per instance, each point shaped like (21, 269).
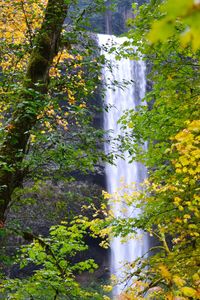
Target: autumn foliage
(42, 65)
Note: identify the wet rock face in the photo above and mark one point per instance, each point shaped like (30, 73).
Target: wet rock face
(114, 22)
(49, 202)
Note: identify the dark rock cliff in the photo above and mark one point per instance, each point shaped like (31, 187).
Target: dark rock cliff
(114, 21)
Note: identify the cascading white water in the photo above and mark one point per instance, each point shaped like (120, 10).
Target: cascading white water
(119, 100)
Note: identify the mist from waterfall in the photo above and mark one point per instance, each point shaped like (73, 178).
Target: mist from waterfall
(119, 100)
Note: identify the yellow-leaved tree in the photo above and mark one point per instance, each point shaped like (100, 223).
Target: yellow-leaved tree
(47, 61)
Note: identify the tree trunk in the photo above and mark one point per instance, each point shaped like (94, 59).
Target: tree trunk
(32, 102)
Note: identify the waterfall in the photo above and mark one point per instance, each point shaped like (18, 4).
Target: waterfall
(119, 100)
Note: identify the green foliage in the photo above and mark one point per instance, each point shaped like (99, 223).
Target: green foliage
(49, 84)
(33, 118)
(169, 125)
(56, 266)
(49, 81)
(173, 14)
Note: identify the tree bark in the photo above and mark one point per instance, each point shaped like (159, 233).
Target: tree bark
(32, 102)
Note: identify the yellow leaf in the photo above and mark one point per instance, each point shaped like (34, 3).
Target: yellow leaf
(194, 125)
(185, 170)
(164, 272)
(196, 277)
(177, 8)
(184, 161)
(180, 208)
(188, 291)
(178, 281)
(106, 297)
(160, 31)
(107, 288)
(169, 296)
(178, 171)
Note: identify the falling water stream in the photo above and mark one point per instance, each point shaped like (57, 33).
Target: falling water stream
(119, 100)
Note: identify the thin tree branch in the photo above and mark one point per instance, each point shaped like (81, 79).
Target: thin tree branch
(29, 29)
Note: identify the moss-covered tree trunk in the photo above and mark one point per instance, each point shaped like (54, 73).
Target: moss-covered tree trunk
(31, 102)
